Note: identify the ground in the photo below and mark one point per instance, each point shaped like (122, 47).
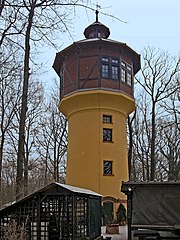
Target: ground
(121, 236)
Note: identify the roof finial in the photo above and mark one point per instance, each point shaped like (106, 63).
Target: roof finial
(97, 12)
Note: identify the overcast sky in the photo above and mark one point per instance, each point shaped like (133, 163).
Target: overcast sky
(153, 22)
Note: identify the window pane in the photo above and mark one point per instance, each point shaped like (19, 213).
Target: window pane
(108, 168)
(115, 72)
(123, 75)
(104, 59)
(107, 135)
(107, 119)
(105, 71)
(129, 68)
(123, 64)
(115, 61)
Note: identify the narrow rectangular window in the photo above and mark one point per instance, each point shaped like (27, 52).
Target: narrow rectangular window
(105, 71)
(107, 135)
(126, 73)
(108, 168)
(107, 119)
(123, 75)
(115, 72)
(129, 79)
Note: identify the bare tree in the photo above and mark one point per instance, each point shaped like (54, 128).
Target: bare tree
(168, 136)
(27, 24)
(159, 80)
(53, 140)
(41, 19)
(10, 75)
(169, 148)
(35, 102)
(141, 140)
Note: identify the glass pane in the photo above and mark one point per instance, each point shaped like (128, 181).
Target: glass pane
(129, 79)
(123, 75)
(104, 59)
(129, 68)
(115, 72)
(107, 167)
(105, 71)
(107, 135)
(107, 119)
(123, 64)
(116, 61)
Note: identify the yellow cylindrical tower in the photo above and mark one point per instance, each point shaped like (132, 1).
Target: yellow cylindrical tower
(96, 77)
(90, 115)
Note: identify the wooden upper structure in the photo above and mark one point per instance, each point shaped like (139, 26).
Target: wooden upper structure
(97, 63)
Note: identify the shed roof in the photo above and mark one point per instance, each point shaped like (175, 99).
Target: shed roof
(74, 189)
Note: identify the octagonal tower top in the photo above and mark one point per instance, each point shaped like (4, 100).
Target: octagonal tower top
(97, 63)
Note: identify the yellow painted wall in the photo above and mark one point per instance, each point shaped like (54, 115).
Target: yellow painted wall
(86, 149)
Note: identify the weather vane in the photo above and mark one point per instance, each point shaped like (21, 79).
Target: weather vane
(97, 11)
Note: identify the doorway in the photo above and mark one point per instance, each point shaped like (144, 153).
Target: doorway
(108, 214)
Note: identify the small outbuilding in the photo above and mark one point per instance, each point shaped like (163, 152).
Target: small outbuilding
(153, 209)
(57, 211)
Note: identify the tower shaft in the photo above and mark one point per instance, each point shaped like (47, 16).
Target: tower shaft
(89, 149)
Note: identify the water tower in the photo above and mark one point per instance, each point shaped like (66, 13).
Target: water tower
(96, 91)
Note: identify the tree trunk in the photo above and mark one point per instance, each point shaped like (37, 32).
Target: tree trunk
(1, 150)
(1, 157)
(26, 160)
(20, 155)
(153, 138)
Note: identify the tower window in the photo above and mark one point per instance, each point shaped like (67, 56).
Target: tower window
(107, 119)
(107, 135)
(115, 72)
(123, 75)
(108, 168)
(105, 71)
(129, 79)
(114, 69)
(126, 73)
(129, 75)
(110, 68)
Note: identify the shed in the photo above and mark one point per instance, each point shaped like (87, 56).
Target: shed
(153, 209)
(57, 211)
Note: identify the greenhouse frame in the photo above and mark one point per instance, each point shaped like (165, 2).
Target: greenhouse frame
(57, 211)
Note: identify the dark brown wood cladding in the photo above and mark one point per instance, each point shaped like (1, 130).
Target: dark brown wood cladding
(80, 66)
